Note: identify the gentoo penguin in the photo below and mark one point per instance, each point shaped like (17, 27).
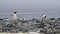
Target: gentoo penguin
(6, 19)
(15, 17)
(43, 17)
(22, 18)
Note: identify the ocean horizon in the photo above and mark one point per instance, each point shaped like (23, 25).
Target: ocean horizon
(31, 15)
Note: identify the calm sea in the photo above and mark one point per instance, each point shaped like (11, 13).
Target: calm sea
(36, 15)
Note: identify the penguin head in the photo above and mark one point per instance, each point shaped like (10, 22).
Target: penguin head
(20, 17)
(15, 12)
(43, 15)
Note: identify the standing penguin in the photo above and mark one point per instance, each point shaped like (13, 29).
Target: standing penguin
(15, 17)
(43, 17)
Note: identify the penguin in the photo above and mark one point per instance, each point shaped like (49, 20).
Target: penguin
(6, 19)
(43, 17)
(21, 18)
(15, 17)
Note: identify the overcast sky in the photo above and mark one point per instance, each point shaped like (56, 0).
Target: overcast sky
(49, 7)
(29, 5)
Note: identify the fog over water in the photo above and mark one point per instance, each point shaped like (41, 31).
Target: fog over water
(37, 7)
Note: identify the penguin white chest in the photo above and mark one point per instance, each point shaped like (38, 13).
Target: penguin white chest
(15, 17)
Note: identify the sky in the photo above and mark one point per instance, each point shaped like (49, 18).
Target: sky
(30, 6)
